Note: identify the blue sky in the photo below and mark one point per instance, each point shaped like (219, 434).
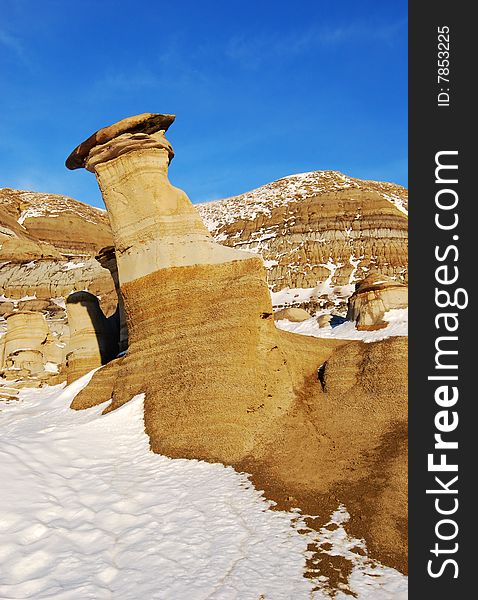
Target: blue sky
(261, 89)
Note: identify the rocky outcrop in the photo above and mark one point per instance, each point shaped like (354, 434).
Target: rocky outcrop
(20, 250)
(25, 331)
(47, 279)
(93, 339)
(321, 230)
(137, 127)
(296, 315)
(324, 320)
(48, 245)
(29, 350)
(373, 297)
(71, 227)
(318, 232)
(364, 411)
(222, 382)
(189, 296)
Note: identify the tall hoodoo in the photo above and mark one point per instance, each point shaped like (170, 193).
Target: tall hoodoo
(199, 314)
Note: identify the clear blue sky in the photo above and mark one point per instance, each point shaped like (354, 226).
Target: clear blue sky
(261, 89)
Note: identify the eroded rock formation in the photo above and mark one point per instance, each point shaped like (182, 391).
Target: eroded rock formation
(320, 230)
(221, 382)
(199, 314)
(25, 331)
(373, 297)
(296, 315)
(93, 340)
(70, 227)
(29, 350)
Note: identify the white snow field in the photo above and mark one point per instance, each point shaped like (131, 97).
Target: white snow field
(396, 318)
(88, 512)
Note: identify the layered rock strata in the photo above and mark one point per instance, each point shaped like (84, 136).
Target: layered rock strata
(57, 222)
(25, 331)
(322, 231)
(373, 297)
(29, 350)
(222, 383)
(48, 244)
(199, 314)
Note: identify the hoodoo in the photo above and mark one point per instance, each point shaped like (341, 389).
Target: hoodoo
(221, 382)
(92, 339)
(372, 298)
(199, 314)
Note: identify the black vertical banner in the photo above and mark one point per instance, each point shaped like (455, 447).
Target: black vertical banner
(443, 434)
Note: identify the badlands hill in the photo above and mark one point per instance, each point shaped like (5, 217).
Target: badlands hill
(321, 231)
(48, 245)
(71, 227)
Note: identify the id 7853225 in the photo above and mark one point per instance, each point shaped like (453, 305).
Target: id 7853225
(443, 66)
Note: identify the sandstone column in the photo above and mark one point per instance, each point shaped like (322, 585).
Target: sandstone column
(92, 343)
(372, 298)
(107, 259)
(202, 340)
(26, 330)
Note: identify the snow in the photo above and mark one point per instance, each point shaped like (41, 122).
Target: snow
(287, 296)
(88, 511)
(293, 188)
(15, 301)
(326, 286)
(362, 580)
(59, 302)
(400, 203)
(397, 325)
(40, 204)
(70, 265)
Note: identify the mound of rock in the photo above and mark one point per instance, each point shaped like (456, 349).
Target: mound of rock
(30, 351)
(373, 297)
(73, 228)
(48, 245)
(295, 315)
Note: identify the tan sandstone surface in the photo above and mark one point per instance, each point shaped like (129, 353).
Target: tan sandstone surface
(316, 422)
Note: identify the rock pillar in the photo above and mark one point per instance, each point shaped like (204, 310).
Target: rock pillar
(202, 340)
(92, 342)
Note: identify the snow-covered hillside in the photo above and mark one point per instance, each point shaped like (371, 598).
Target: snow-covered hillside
(316, 228)
(88, 512)
(27, 204)
(292, 189)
